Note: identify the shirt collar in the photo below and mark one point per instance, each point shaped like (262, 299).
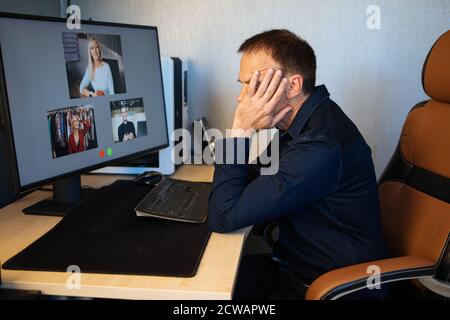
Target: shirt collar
(317, 97)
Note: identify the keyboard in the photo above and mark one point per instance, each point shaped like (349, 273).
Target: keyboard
(176, 200)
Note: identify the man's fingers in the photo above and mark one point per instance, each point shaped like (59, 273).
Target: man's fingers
(265, 83)
(274, 83)
(281, 90)
(253, 83)
(280, 115)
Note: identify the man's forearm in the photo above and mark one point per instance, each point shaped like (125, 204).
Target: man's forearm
(231, 177)
(230, 182)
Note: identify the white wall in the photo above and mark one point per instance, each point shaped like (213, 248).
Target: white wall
(374, 75)
(36, 7)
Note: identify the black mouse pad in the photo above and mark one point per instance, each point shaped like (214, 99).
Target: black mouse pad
(104, 235)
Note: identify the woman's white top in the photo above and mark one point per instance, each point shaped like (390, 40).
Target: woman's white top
(103, 80)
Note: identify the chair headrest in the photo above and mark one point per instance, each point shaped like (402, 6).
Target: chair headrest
(436, 70)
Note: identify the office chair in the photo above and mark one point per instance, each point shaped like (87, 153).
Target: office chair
(414, 195)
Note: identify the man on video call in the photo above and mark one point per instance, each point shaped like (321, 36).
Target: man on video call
(126, 130)
(324, 195)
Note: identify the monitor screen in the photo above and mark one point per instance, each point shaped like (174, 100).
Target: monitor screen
(80, 99)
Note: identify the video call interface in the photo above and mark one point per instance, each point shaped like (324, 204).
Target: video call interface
(82, 97)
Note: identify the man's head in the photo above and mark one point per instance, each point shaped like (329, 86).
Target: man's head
(279, 49)
(124, 113)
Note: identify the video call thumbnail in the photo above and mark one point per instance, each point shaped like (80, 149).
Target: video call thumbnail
(72, 130)
(94, 64)
(128, 119)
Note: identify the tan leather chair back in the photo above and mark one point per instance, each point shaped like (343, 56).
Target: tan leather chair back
(415, 187)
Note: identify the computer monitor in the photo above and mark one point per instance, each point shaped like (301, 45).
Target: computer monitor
(78, 100)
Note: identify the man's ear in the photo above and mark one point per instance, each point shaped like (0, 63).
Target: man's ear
(295, 86)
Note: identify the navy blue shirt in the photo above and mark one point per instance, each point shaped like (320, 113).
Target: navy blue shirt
(324, 196)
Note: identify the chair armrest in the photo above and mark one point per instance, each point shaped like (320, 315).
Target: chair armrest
(340, 282)
(437, 286)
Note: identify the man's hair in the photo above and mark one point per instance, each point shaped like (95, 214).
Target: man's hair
(293, 53)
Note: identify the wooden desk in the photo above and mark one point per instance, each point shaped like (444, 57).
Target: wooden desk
(214, 280)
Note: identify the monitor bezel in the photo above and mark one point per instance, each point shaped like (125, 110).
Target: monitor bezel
(5, 98)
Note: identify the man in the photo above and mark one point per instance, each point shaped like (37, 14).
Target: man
(126, 130)
(324, 195)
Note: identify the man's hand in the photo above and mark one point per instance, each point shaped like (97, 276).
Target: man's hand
(257, 109)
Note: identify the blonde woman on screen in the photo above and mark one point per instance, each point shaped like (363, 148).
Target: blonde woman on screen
(98, 73)
(79, 130)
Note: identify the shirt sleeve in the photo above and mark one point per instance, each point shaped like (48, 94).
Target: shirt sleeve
(307, 172)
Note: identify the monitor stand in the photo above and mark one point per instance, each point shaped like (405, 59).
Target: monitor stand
(67, 195)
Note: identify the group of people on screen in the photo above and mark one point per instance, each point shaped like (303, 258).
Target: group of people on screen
(99, 72)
